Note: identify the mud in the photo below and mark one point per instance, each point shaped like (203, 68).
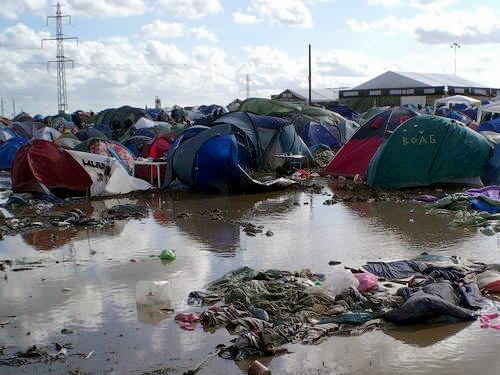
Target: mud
(82, 279)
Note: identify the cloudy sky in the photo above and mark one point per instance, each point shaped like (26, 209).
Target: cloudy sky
(199, 51)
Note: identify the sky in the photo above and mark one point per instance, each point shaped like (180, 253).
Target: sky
(192, 52)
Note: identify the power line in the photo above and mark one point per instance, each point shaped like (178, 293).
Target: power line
(79, 65)
(61, 60)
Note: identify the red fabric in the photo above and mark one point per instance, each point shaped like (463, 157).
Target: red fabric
(354, 157)
(161, 144)
(144, 173)
(187, 321)
(44, 162)
(377, 122)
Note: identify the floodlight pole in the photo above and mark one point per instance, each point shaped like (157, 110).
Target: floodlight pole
(309, 74)
(455, 46)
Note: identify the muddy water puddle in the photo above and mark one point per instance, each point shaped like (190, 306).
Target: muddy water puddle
(88, 278)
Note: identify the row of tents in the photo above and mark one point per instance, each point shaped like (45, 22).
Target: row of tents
(127, 149)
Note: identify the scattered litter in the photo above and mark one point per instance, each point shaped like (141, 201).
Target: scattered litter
(186, 321)
(10, 319)
(268, 309)
(257, 368)
(168, 255)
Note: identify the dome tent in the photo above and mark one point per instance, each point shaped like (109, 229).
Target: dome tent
(354, 157)
(339, 125)
(118, 120)
(427, 150)
(221, 158)
(41, 166)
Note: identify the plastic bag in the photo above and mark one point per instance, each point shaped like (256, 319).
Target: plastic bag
(339, 280)
(367, 281)
(489, 280)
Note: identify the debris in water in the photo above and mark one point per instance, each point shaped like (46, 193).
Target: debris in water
(168, 255)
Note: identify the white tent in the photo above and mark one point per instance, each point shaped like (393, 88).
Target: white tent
(492, 108)
(144, 123)
(108, 175)
(457, 99)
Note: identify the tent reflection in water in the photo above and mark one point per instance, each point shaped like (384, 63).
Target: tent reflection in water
(222, 158)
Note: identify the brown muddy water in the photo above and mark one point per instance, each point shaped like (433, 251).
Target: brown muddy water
(101, 310)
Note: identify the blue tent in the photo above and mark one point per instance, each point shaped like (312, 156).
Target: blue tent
(492, 126)
(314, 134)
(6, 134)
(87, 133)
(205, 114)
(343, 110)
(457, 116)
(8, 151)
(223, 157)
(470, 112)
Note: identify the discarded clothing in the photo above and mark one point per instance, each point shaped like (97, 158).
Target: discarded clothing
(348, 318)
(426, 198)
(487, 321)
(421, 307)
(489, 193)
(400, 269)
(187, 321)
(471, 296)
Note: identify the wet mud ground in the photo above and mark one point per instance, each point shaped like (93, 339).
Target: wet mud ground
(86, 282)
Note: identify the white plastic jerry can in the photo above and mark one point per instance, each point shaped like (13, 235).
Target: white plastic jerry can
(153, 293)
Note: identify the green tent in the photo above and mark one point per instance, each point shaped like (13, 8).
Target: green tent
(426, 150)
(300, 113)
(267, 107)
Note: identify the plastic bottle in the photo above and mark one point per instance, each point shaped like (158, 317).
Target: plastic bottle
(153, 293)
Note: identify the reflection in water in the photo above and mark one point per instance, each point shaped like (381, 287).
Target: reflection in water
(153, 314)
(101, 304)
(426, 335)
(410, 221)
(50, 239)
(220, 235)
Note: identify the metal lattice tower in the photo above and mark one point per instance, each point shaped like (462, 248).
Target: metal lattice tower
(61, 60)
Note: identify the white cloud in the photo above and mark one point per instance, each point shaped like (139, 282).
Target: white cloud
(282, 12)
(162, 29)
(432, 4)
(21, 36)
(114, 71)
(385, 3)
(189, 8)
(423, 4)
(11, 9)
(105, 8)
(244, 18)
(203, 33)
(287, 12)
(440, 26)
(167, 30)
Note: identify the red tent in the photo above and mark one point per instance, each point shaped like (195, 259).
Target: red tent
(158, 149)
(355, 156)
(160, 145)
(42, 164)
